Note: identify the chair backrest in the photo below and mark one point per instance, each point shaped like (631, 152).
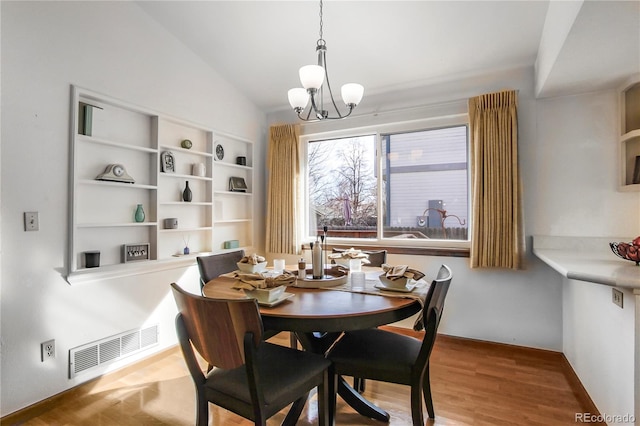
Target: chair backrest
(216, 327)
(432, 312)
(376, 257)
(213, 266)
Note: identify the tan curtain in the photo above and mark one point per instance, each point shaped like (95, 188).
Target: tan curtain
(497, 237)
(283, 165)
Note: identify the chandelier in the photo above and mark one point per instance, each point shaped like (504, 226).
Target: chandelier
(314, 79)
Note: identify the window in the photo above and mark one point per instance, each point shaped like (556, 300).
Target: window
(406, 187)
(425, 188)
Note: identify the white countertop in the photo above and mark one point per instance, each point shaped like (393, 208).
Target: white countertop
(587, 259)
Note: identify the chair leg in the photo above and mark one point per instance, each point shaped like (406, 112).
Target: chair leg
(332, 392)
(294, 412)
(426, 392)
(202, 409)
(359, 384)
(416, 405)
(324, 399)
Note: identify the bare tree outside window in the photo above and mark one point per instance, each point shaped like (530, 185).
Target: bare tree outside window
(342, 184)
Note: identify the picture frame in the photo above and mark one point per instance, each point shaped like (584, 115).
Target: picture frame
(167, 162)
(135, 252)
(237, 184)
(636, 171)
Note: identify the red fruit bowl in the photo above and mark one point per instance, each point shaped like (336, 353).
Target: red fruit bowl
(627, 251)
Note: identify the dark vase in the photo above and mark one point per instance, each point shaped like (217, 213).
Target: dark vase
(186, 194)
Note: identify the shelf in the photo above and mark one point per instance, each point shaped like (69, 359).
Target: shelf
(181, 176)
(232, 165)
(223, 221)
(233, 193)
(630, 188)
(116, 184)
(184, 203)
(100, 141)
(199, 229)
(86, 275)
(185, 151)
(630, 135)
(116, 225)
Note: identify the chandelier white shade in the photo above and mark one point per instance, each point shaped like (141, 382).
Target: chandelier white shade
(312, 76)
(315, 82)
(352, 93)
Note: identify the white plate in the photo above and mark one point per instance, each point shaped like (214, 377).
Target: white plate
(284, 297)
(407, 289)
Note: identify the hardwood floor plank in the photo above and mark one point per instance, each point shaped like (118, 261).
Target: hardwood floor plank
(473, 383)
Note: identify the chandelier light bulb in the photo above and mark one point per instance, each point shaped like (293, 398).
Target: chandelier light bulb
(312, 76)
(352, 93)
(298, 98)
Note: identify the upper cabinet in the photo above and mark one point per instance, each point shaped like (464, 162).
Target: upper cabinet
(149, 191)
(629, 144)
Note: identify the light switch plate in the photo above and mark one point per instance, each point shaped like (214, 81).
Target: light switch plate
(31, 222)
(617, 297)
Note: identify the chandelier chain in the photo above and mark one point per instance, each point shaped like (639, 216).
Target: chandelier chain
(321, 20)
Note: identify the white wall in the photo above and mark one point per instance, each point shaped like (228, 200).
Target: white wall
(599, 339)
(573, 190)
(116, 49)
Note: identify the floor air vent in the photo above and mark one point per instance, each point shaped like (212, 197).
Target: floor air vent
(110, 349)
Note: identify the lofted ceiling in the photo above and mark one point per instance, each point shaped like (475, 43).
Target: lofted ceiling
(393, 45)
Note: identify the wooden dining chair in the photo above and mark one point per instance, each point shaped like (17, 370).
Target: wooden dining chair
(376, 257)
(252, 378)
(391, 357)
(214, 265)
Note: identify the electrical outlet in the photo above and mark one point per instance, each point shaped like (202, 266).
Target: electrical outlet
(616, 296)
(48, 350)
(31, 222)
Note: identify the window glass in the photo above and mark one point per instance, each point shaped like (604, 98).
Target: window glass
(425, 189)
(342, 187)
(422, 191)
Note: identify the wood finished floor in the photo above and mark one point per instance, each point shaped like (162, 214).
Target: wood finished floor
(473, 383)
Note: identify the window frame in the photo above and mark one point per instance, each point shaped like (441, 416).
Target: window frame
(404, 246)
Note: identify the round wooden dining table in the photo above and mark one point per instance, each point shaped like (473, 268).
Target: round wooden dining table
(314, 310)
(318, 316)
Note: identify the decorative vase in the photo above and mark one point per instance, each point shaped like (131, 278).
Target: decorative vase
(139, 216)
(186, 194)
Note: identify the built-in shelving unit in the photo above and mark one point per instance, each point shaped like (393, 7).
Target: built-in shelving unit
(629, 144)
(108, 131)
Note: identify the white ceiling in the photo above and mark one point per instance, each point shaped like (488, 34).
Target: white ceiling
(392, 45)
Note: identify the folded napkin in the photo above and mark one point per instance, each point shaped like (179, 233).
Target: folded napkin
(254, 281)
(401, 271)
(350, 254)
(254, 259)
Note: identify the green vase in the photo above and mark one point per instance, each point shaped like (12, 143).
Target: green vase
(139, 216)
